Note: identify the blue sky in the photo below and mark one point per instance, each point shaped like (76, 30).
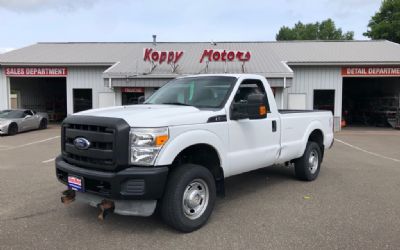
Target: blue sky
(24, 22)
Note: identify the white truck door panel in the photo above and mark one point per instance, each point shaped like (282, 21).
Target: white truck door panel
(252, 143)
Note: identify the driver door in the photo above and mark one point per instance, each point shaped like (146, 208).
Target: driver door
(253, 143)
(28, 121)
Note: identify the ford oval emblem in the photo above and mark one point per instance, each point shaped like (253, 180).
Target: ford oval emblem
(81, 143)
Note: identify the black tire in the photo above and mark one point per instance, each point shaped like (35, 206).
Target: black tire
(172, 204)
(306, 167)
(43, 124)
(12, 129)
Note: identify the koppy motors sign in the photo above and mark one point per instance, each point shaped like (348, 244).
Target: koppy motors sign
(212, 55)
(151, 55)
(208, 55)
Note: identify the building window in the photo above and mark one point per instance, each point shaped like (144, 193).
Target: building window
(132, 95)
(82, 99)
(324, 99)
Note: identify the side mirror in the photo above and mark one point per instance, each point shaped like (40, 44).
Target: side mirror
(239, 111)
(254, 108)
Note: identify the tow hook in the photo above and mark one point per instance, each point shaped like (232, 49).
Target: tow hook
(106, 207)
(68, 196)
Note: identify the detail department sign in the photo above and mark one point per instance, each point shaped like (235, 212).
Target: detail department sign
(36, 71)
(371, 71)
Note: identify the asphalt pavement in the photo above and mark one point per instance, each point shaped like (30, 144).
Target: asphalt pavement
(354, 203)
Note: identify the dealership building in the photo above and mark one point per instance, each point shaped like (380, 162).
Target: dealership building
(358, 80)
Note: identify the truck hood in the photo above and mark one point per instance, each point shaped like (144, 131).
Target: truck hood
(155, 115)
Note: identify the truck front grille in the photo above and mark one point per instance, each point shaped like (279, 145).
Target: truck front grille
(108, 139)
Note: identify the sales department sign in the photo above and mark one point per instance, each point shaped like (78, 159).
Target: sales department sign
(36, 71)
(371, 71)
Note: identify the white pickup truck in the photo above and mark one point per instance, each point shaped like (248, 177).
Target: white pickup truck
(176, 149)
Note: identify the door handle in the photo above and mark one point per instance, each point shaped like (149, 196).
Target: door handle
(274, 126)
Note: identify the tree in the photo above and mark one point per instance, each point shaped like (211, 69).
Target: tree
(325, 30)
(385, 24)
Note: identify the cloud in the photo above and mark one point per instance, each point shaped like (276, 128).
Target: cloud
(5, 50)
(39, 5)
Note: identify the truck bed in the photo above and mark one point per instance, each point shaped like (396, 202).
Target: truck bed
(291, 111)
(294, 130)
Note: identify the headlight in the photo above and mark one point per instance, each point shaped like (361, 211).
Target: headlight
(145, 144)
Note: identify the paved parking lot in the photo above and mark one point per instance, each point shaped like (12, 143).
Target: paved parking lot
(354, 204)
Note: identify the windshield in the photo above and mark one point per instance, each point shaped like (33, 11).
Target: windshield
(201, 92)
(11, 114)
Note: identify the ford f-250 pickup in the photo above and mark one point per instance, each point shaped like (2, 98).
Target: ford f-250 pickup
(174, 151)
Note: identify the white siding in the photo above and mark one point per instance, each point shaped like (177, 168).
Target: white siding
(118, 97)
(307, 79)
(279, 98)
(85, 78)
(3, 90)
(139, 82)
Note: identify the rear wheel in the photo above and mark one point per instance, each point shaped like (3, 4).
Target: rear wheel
(43, 124)
(12, 129)
(189, 197)
(308, 166)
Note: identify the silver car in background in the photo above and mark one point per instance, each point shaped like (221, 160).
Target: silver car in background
(13, 121)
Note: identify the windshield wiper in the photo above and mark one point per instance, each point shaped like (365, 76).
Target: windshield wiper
(176, 103)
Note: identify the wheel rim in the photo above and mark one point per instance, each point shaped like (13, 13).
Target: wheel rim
(313, 161)
(195, 199)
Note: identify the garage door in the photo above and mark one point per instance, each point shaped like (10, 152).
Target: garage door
(42, 94)
(371, 96)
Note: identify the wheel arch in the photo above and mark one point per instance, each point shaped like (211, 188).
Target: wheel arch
(317, 135)
(13, 124)
(202, 148)
(185, 140)
(43, 119)
(314, 133)
(204, 155)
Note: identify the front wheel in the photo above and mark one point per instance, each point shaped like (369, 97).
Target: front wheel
(189, 197)
(13, 129)
(307, 167)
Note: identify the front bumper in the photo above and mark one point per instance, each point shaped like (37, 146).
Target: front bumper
(3, 130)
(122, 207)
(134, 183)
